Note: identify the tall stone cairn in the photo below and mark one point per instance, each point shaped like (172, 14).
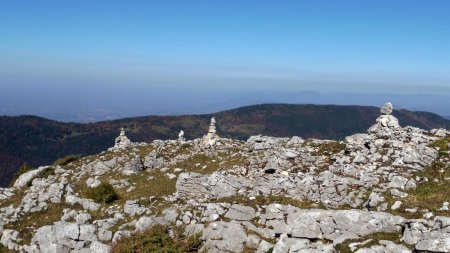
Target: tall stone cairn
(211, 138)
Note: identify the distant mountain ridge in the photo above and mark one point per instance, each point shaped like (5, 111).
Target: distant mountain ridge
(40, 141)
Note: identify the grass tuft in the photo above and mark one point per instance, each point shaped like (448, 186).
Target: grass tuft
(158, 239)
(104, 193)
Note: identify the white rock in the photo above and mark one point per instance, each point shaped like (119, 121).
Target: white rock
(396, 205)
(27, 177)
(98, 247)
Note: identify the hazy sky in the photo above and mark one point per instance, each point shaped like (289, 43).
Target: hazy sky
(359, 46)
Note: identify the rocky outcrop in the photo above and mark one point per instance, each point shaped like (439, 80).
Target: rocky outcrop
(27, 177)
(66, 237)
(194, 185)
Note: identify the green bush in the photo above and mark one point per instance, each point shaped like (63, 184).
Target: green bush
(47, 172)
(66, 160)
(23, 169)
(104, 193)
(157, 239)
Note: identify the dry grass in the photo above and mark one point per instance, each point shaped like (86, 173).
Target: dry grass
(13, 200)
(4, 249)
(344, 246)
(271, 199)
(159, 186)
(203, 164)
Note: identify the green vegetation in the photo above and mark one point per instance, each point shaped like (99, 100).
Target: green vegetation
(104, 193)
(394, 237)
(328, 148)
(442, 144)
(22, 170)
(66, 160)
(157, 239)
(271, 199)
(47, 172)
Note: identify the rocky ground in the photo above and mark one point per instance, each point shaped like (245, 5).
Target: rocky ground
(386, 190)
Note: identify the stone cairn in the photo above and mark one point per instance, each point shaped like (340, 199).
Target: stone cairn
(122, 141)
(181, 137)
(211, 138)
(386, 123)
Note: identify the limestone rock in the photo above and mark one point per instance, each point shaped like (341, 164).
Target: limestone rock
(27, 177)
(225, 237)
(93, 182)
(241, 213)
(386, 109)
(98, 247)
(132, 208)
(216, 185)
(434, 244)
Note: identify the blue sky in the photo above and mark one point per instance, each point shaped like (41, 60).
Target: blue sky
(400, 46)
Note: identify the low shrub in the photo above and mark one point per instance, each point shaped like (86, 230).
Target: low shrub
(66, 160)
(47, 172)
(104, 193)
(158, 239)
(22, 170)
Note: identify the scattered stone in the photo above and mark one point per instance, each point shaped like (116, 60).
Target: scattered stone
(132, 208)
(396, 205)
(93, 182)
(398, 194)
(428, 215)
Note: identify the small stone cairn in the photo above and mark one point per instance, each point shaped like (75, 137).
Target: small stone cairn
(386, 123)
(122, 141)
(181, 138)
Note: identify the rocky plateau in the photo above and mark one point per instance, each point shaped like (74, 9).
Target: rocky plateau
(386, 190)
